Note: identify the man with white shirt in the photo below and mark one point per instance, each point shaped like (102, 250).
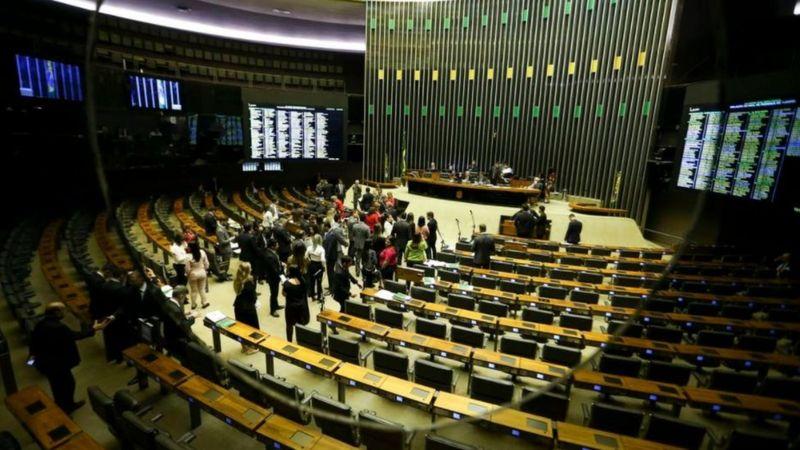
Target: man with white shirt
(179, 258)
(270, 216)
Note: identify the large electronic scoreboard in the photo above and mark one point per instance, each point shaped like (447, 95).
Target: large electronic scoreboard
(740, 150)
(296, 132)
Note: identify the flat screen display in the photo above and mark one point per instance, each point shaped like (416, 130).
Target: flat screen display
(224, 129)
(155, 93)
(739, 150)
(296, 132)
(44, 78)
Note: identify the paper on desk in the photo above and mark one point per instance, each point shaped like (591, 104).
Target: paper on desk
(428, 281)
(464, 286)
(215, 316)
(384, 294)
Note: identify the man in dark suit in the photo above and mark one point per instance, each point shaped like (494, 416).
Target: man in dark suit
(55, 353)
(524, 221)
(272, 271)
(176, 326)
(367, 199)
(210, 222)
(433, 229)
(402, 232)
(574, 229)
(107, 295)
(246, 243)
(482, 248)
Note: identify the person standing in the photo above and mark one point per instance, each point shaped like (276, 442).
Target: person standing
(359, 234)
(482, 248)
(541, 224)
(224, 250)
(284, 240)
(573, 235)
(295, 292)
(244, 306)
(340, 190)
(369, 265)
(342, 280)
(210, 222)
(524, 221)
(416, 250)
(179, 259)
(422, 229)
(316, 268)
(197, 270)
(333, 242)
(54, 353)
(272, 272)
(246, 243)
(367, 199)
(433, 228)
(387, 259)
(402, 234)
(356, 194)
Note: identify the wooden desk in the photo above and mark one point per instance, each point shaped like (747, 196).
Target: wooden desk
(520, 424)
(238, 331)
(387, 386)
(361, 326)
(648, 390)
(563, 246)
(38, 413)
(227, 406)
(279, 432)
(311, 360)
(699, 355)
(570, 436)
(112, 252)
(461, 315)
(721, 401)
(81, 441)
(468, 191)
(165, 370)
(153, 233)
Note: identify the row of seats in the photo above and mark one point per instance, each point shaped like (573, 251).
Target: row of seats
(16, 256)
(127, 218)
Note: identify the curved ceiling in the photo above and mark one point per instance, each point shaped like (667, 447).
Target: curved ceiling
(319, 24)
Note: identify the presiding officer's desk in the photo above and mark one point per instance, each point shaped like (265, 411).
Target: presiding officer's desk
(504, 195)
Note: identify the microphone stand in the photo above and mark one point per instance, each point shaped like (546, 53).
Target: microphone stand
(458, 224)
(473, 221)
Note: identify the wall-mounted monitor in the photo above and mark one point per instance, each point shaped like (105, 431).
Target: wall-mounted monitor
(44, 78)
(224, 129)
(739, 150)
(155, 93)
(296, 132)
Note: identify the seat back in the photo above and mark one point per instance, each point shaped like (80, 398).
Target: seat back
(748, 440)
(309, 337)
(660, 305)
(537, 316)
(756, 343)
(496, 309)
(531, 271)
(344, 348)
(284, 398)
(542, 258)
(668, 372)
(491, 390)
(620, 365)
(466, 336)
(388, 317)
(513, 286)
(436, 442)
(239, 380)
(664, 334)
(703, 309)
(433, 375)
(519, 347)
(201, 361)
(484, 281)
(615, 419)
(431, 328)
(570, 261)
(723, 380)
(560, 274)
(125, 401)
(164, 442)
(630, 266)
(395, 286)
(501, 266)
(358, 309)
(590, 277)
(625, 301)
(558, 354)
(736, 312)
(138, 432)
(633, 330)
(553, 405)
(103, 406)
(448, 257)
(451, 276)
(715, 338)
(676, 432)
(626, 281)
(392, 363)
(554, 292)
(378, 433)
(336, 429)
(596, 263)
(601, 252)
(652, 255)
(423, 293)
(578, 322)
(577, 249)
(461, 301)
(780, 387)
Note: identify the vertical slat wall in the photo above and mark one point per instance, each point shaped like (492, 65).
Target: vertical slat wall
(568, 84)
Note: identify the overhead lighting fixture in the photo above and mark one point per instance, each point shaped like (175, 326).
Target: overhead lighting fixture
(230, 32)
(183, 8)
(285, 12)
(797, 8)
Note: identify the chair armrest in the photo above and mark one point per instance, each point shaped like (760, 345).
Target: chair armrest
(408, 439)
(586, 412)
(157, 417)
(187, 438)
(364, 356)
(307, 400)
(144, 410)
(455, 382)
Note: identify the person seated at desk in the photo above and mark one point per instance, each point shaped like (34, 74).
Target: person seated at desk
(506, 173)
(432, 167)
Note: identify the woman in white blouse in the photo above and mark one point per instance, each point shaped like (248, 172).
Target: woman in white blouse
(316, 267)
(197, 270)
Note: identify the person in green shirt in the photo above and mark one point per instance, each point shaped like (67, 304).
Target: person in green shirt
(415, 251)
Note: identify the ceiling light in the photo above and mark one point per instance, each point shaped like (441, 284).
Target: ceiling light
(231, 32)
(285, 12)
(797, 8)
(183, 8)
